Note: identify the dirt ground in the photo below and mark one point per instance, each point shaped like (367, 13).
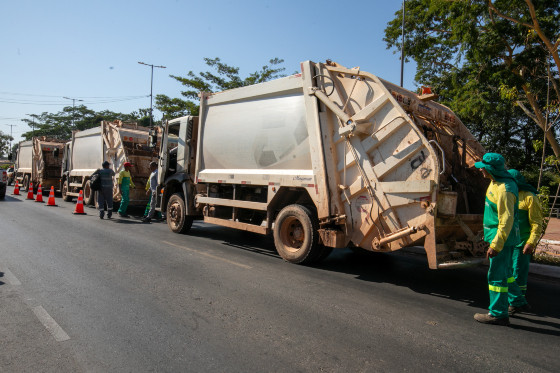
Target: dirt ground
(552, 234)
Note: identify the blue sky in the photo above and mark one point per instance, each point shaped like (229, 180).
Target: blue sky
(90, 49)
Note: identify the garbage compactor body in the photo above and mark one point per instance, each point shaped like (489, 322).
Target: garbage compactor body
(378, 167)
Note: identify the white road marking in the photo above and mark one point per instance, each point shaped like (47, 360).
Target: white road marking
(51, 325)
(11, 278)
(208, 255)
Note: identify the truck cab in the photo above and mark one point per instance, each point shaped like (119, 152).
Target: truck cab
(176, 169)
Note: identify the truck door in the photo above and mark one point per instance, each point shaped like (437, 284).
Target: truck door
(162, 164)
(163, 158)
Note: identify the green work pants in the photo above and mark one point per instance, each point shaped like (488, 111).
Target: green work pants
(520, 273)
(501, 284)
(125, 193)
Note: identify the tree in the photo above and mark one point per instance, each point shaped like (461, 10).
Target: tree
(4, 143)
(59, 125)
(222, 77)
(490, 61)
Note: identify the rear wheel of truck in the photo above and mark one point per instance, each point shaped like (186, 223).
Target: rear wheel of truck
(177, 221)
(65, 196)
(89, 195)
(295, 235)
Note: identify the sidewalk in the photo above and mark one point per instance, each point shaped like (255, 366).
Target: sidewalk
(549, 245)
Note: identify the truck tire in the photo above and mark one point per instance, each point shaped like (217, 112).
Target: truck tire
(295, 235)
(89, 195)
(65, 196)
(25, 183)
(177, 221)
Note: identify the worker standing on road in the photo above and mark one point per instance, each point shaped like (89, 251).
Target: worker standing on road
(530, 228)
(501, 231)
(125, 183)
(152, 191)
(105, 194)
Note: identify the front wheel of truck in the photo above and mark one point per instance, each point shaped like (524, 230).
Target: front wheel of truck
(177, 221)
(25, 183)
(65, 196)
(89, 195)
(295, 235)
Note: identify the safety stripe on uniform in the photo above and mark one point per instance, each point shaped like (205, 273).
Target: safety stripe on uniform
(523, 286)
(511, 279)
(498, 289)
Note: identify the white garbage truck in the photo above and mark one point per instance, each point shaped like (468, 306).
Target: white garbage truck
(116, 142)
(328, 158)
(38, 161)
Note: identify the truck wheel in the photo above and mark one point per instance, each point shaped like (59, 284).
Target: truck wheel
(65, 196)
(89, 195)
(296, 236)
(25, 183)
(177, 221)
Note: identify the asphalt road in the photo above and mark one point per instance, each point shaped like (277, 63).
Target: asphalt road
(83, 294)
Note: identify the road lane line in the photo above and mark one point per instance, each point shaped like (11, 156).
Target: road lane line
(51, 325)
(11, 278)
(208, 255)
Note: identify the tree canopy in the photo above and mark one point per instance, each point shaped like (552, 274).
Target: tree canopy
(495, 63)
(220, 78)
(4, 143)
(59, 125)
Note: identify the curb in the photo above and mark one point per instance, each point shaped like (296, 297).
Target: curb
(534, 268)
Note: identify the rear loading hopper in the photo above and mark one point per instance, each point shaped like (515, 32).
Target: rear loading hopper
(116, 142)
(402, 168)
(39, 161)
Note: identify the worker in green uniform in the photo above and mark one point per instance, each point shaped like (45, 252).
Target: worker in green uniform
(501, 231)
(530, 228)
(125, 183)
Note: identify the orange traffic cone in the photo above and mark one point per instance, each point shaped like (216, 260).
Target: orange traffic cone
(80, 205)
(16, 189)
(40, 194)
(30, 192)
(51, 202)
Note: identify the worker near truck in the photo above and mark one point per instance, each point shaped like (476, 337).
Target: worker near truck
(105, 194)
(530, 228)
(125, 183)
(501, 231)
(152, 191)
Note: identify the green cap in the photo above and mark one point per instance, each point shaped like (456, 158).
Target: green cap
(495, 164)
(492, 161)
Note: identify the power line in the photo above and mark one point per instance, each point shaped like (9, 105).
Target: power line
(58, 96)
(62, 103)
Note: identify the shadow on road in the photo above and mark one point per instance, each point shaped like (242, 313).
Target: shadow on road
(2, 275)
(467, 285)
(9, 198)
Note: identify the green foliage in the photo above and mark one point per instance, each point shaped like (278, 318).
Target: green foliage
(59, 125)
(486, 68)
(544, 201)
(4, 143)
(221, 77)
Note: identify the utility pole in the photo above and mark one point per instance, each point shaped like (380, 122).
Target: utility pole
(11, 135)
(73, 111)
(151, 89)
(402, 44)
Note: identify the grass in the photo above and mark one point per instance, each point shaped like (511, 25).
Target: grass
(546, 259)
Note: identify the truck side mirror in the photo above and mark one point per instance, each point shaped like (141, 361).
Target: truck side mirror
(152, 138)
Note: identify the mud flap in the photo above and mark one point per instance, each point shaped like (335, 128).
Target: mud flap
(430, 241)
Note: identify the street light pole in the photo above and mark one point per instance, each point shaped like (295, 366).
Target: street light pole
(73, 111)
(151, 89)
